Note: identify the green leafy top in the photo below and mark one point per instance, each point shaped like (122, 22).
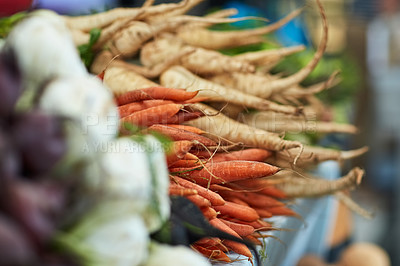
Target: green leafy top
(7, 23)
(86, 50)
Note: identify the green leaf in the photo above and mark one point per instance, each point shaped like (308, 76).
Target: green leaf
(86, 50)
(7, 23)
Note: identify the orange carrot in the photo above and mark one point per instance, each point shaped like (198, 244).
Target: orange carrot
(214, 198)
(209, 241)
(263, 213)
(223, 227)
(254, 199)
(254, 240)
(177, 150)
(241, 229)
(282, 210)
(273, 191)
(196, 100)
(247, 155)
(200, 201)
(237, 201)
(222, 172)
(190, 156)
(152, 93)
(238, 248)
(237, 211)
(188, 128)
(150, 116)
(209, 212)
(130, 108)
(181, 134)
(212, 253)
(175, 189)
(183, 116)
(262, 186)
(185, 163)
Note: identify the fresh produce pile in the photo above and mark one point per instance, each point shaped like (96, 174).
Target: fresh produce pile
(173, 142)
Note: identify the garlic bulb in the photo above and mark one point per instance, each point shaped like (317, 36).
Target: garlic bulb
(86, 100)
(44, 49)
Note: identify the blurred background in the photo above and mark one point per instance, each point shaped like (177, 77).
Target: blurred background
(364, 42)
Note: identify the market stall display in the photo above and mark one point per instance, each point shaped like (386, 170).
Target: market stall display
(168, 142)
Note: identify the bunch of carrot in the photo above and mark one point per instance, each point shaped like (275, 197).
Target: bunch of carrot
(227, 161)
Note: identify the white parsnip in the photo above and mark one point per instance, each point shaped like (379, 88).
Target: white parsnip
(179, 77)
(217, 124)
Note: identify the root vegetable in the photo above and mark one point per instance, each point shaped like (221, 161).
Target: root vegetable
(222, 172)
(300, 187)
(121, 80)
(150, 116)
(200, 37)
(222, 126)
(179, 77)
(181, 134)
(155, 93)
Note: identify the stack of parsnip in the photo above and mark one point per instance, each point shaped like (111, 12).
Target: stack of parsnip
(219, 152)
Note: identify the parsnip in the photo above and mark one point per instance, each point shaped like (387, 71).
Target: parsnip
(218, 124)
(200, 37)
(296, 187)
(201, 61)
(121, 80)
(179, 77)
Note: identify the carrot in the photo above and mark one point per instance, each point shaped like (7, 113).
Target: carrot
(241, 229)
(209, 213)
(258, 155)
(183, 116)
(237, 211)
(237, 201)
(214, 198)
(154, 93)
(187, 128)
(254, 183)
(281, 210)
(254, 240)
(253, 199)
(227, 128)
(177, 150)
(199, 201)
(212, 253)
(274, 192)
(175, 189)
(263, 213)
(150, 116)
(209, 242)
(130, 108)
(185, 163)
(181, 134)
(238, 248)
(198, 36)
(180, 77)
(222, 172)
(313, 187)
(190, 156)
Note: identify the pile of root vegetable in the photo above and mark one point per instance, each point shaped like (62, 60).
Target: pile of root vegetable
(224, 118)
(168, 76)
